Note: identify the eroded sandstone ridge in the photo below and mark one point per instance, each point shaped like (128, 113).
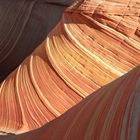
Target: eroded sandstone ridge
(95, 42)
(110, 113)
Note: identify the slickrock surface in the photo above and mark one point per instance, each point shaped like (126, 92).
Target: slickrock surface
(94, 43)
(110, 113)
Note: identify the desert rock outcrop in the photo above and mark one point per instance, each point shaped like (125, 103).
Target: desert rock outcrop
(24, 24)
(95, 42)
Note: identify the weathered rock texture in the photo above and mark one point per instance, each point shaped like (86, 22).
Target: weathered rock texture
(110, 113)
(94, 43)
(24, 24)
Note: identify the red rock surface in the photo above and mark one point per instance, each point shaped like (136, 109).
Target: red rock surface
(110, 113)
(94, 43)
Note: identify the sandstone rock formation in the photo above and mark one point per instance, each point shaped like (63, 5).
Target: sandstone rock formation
(94, 43)
(24, 24)
(110, 113)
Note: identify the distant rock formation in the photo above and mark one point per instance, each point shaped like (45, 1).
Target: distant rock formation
(95, 42)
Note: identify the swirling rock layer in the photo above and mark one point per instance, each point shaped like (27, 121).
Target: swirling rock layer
(24, 24)
(112, 112)
(94, 43)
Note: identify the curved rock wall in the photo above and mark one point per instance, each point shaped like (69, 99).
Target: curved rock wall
(24, 24)
(110, 113)
(94, 43)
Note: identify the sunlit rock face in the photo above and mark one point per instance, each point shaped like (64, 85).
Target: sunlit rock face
(94, 43)
(110, 113)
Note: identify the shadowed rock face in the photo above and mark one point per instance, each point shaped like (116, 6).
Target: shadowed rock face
(93, 44)
(60, 2)
(24, 24)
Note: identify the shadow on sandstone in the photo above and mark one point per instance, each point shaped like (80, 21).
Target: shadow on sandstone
(24, 24)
